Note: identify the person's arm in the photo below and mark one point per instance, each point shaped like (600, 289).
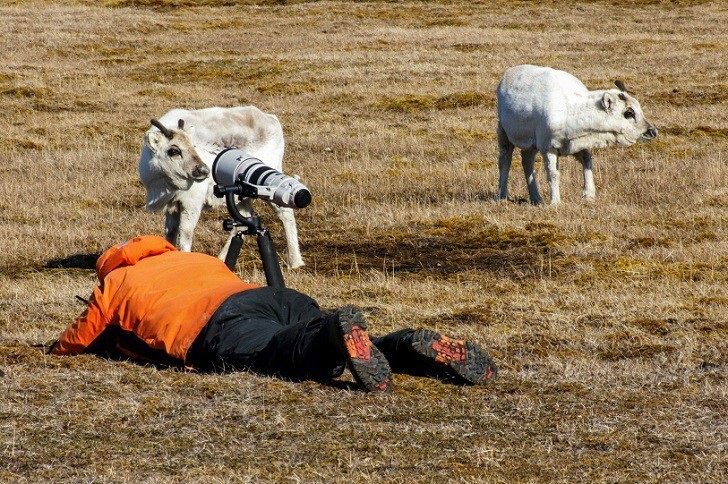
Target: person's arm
(89, 325)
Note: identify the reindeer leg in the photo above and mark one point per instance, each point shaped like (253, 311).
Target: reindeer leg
(528, 159)
(505, 156)
(551, 160)
(171, 223)
(289, 226)
(189, 216)
(584, 156)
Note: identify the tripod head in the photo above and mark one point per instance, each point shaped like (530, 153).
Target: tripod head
(252, 226)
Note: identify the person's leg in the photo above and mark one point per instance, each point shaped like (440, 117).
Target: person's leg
(306, 350)
(265, 330)
(397, 348)
(319, 348)
(424, 352)
(283, 332)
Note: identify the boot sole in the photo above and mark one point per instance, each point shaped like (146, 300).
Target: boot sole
(368, 365)
(464, 361)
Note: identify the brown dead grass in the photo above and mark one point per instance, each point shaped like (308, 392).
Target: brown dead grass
(607, 320)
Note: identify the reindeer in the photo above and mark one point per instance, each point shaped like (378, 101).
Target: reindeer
(549, 111)
(176, 162)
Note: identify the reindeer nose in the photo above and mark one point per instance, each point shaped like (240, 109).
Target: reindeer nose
(651, 133)
(201, 171)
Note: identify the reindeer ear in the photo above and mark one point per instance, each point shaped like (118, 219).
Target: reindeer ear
(153, 139)
(608, 101)
(181, 126)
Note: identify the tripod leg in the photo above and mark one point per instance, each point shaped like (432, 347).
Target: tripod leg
(226, 247)
(271, 266)
(235, 243)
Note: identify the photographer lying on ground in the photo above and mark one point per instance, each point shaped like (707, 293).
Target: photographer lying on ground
(160, 305)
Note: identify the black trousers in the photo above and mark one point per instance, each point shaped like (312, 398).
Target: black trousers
(280, 331)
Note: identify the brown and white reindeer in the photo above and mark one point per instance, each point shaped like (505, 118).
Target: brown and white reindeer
(176, 162)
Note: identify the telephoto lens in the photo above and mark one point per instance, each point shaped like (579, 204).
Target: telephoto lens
(233, 164)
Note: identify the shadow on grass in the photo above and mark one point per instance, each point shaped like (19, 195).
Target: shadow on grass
(117, 345)
(21, 269)
(16, 353)
(76, 261)
(443, 249)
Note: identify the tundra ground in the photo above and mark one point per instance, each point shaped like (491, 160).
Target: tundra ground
(608, 320)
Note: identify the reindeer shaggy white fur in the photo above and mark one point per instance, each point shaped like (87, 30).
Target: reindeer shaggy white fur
(177, 158)
(549, 111)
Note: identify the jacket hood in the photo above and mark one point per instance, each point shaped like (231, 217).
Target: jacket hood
(130, 252)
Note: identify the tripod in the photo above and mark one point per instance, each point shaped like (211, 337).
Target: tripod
(252, 226)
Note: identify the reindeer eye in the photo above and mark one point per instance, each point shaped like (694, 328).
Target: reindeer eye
(629, 113)
(174, 151)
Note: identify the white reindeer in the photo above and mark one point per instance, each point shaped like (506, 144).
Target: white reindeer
(177, 158)
(549, 111)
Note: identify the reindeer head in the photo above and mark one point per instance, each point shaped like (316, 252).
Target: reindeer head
(626, 114)
(175, 154)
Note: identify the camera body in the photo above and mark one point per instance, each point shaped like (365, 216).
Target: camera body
(256, 179)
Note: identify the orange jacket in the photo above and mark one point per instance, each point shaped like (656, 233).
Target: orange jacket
(163, 296)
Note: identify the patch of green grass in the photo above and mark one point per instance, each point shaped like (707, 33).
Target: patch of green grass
(645, 242)
(29, 92)
(702, 95)
(279, 88)
(165, 5)
(660, 327)
(413, 102)
(699, 131)
(447, 22)
(626, 344)
(254, 69)
(26, 144)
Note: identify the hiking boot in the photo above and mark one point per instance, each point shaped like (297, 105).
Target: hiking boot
(453, 359)
(368, 365)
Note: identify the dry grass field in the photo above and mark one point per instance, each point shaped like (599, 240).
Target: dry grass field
(608, 320)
